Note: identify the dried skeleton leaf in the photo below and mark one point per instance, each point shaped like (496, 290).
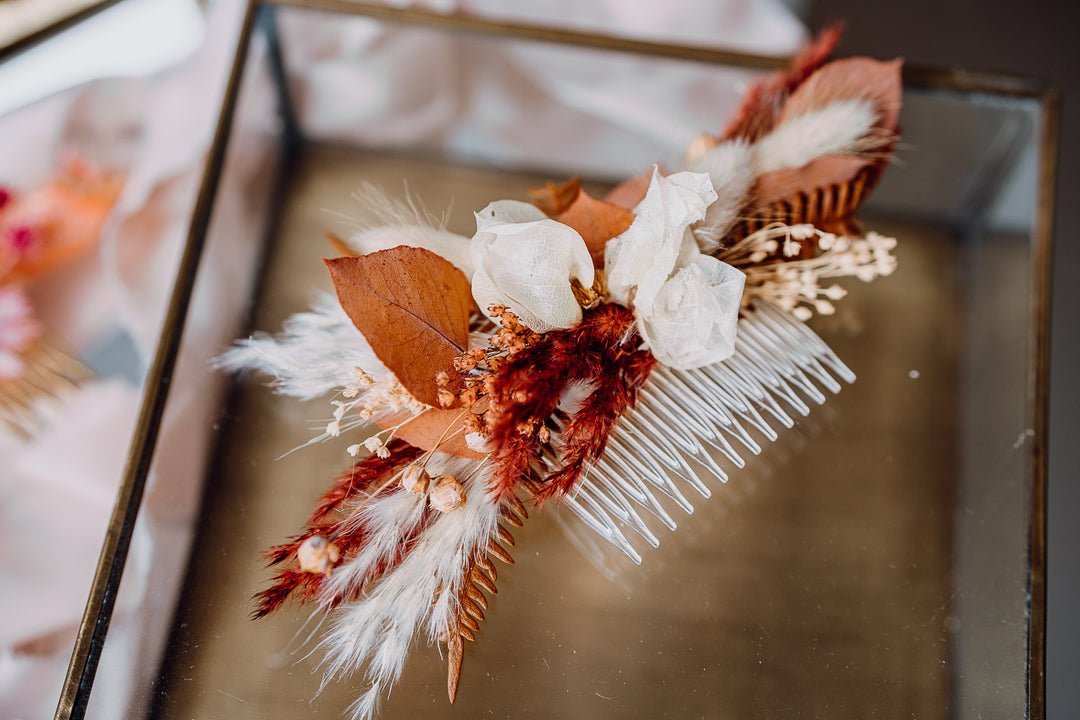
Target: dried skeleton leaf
(412, 307)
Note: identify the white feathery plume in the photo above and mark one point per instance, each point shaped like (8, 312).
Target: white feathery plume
(377, 631)
(312, 356)
(389, 519)
(406, 222)
(839, 128)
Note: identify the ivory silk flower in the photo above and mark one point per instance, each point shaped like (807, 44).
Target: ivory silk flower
(526, 261)
(686, 303)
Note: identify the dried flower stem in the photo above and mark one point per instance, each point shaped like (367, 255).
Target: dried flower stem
(785, 264)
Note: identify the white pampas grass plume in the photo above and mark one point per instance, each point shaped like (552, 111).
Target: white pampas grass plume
(377, 631)
(313, 355)
(389, 519)
(405, 222)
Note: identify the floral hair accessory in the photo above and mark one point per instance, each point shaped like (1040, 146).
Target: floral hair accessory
(55, 224)
(591, 352)
(41, 231)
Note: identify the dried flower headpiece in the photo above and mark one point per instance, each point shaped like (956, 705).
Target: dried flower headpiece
(41, 231)
(588, 352)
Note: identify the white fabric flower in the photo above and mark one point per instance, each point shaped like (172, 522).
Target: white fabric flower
(693, 320)
(526, 261)
(686, 303)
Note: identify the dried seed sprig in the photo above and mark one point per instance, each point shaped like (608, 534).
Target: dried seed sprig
(787, 263)
(476, 370)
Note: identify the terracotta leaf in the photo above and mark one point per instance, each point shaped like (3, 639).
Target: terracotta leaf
(412, 307)
(554, 199)
(848, 79)
(757, 114)
(821, 172)
(597, 222)
(631, 191)
(425, 431)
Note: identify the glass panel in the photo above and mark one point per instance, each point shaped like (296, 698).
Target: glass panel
(872, 561)
(154, 572)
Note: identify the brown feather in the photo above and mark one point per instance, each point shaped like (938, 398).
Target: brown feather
(455, 654)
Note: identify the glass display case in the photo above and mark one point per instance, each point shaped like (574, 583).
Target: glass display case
(885, 557)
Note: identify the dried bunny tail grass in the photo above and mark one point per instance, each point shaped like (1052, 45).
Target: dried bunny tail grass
(840, 128)
(312, 356)
(376, 631)
(757, 112)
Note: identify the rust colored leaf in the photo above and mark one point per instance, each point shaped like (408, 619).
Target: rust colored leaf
(848, 79)
(781, 185)
(554, 199)
(631, 191)
(425, 430)
(412, 306)
(597, 222)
